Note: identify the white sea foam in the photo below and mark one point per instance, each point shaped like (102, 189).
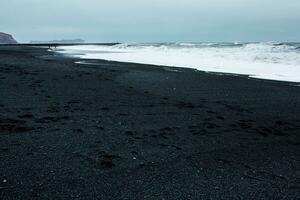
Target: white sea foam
(259, 60)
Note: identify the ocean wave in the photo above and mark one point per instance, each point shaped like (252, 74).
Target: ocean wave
(270, 60)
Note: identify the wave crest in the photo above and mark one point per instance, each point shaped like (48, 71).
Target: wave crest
(277, 61)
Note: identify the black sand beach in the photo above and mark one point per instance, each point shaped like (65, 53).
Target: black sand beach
(111, 130)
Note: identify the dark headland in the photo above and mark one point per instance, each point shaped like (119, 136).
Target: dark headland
(109, 130)
(7, 39)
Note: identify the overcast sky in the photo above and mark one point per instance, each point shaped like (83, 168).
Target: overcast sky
(152, 20)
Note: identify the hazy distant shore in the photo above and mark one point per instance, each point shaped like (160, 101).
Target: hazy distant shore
(54, 44)
(111, 130)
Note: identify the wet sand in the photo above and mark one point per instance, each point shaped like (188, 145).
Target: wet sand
(109, 130)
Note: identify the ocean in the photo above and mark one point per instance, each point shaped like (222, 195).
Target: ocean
(270, 60)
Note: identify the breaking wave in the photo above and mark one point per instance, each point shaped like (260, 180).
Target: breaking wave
(274, 61)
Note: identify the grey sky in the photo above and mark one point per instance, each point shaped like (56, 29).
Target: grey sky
(152, 20)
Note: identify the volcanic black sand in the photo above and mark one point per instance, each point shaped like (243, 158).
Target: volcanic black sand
(109, 130)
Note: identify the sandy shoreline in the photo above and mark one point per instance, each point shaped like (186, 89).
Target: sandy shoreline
(121, 131)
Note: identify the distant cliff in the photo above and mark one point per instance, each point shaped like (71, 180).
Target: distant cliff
(75, 41)
(7, 39)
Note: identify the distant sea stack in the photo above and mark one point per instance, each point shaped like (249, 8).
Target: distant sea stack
(7, 39)
(75, 41)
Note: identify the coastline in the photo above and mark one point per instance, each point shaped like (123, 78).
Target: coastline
(121, 131)
(270, 61)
